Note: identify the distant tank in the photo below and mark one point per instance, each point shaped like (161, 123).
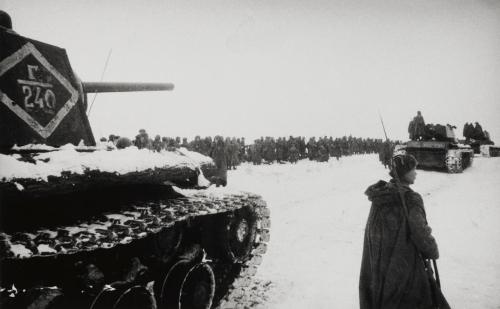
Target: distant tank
(490, 150)
(90, 226)
(439, 149)
(477, 138)
(479, 145)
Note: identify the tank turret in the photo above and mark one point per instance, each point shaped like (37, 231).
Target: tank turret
(42, 101)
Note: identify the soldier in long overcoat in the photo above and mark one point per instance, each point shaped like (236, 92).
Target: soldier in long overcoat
(478, 132)
(142, 140)
(219, 156)
(322, 154)
(393, 274)
(293, 154)
(156, 145)
(419, 126)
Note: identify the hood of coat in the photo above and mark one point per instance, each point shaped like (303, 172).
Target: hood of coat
(383, 192)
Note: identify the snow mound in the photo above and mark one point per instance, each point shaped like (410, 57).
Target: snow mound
(319, 212)
(195, 156)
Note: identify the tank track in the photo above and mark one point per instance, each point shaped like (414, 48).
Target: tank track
(454, 164)
(457, 160)
(138, 221)
(236, 291)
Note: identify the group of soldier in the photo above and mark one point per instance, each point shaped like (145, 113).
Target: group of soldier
(266, 150)
(419, 130)
(475, 132)
(233, 151)
(385, 153)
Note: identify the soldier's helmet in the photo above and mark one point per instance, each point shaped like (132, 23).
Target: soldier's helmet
(5, 20)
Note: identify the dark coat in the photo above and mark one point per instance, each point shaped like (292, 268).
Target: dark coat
(392, 269)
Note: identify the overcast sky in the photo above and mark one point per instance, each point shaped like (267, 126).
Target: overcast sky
(279, 68)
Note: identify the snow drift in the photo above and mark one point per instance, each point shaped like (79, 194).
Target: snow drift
(319, 213)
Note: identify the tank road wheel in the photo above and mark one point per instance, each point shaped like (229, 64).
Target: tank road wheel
(135, 297)
(454, 164)
(167, 242)
(187, 286)
(239, 234)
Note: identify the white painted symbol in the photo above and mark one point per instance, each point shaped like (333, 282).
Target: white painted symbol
(31, 69)
(42, 95)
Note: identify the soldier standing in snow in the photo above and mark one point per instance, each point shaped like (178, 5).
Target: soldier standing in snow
(322, 154)
(311, 148)
(337, 151)
(279, 151)
(293, 154)
(393, 273)
(219, 156)
(257, 153)
(157, 146)
(385, 153)
(142, 140)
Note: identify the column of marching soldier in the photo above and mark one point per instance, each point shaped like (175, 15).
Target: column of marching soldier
(262, 151)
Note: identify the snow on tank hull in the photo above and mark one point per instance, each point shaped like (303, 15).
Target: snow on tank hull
(95, 239)
(439, 155)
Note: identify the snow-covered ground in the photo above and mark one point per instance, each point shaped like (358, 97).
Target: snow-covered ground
(319, 211)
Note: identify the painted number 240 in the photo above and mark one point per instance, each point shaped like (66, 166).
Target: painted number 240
(43, 98)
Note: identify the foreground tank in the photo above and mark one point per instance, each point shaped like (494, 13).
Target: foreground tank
(439, 151)
(89, 226)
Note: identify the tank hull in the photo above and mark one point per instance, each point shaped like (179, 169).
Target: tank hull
(155, 234)
(439, 155)
(91, 239)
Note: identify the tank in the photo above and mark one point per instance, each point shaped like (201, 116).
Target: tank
(478, 145)
(439, 149)
(490, 150)
(86, 225)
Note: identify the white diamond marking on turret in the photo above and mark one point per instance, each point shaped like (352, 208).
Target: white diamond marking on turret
(13, 60)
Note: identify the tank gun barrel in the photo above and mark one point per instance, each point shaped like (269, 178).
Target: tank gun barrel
(96, 87)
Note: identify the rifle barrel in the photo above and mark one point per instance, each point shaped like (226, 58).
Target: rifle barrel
(438, 281)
